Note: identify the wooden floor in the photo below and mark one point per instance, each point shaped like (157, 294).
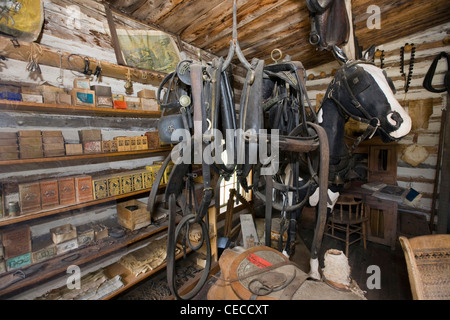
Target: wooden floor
(394, 282)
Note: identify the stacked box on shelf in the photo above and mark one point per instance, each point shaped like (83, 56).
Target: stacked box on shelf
(91, 140)
(43, 248)
(82, 95)
(53, 143)
(133, 214)
(49, 193)
(103, 96)
(83, 188)
(119, 101)
(123, 143)
(9, 147)
(148, 100)
(55, 95)
(133, 103)
(29, 197)
(30, 144)
(66, 190)
(17, 247)
(65, 238)
(153, 139)
(100, 187)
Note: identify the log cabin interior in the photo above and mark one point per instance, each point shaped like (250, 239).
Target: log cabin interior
(94, 205)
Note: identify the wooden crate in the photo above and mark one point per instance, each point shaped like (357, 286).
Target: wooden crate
(133, 214)
(30, 197)
(16, 242)
(63, 233)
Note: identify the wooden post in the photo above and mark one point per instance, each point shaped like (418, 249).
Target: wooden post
(349, 48)
(443, 223)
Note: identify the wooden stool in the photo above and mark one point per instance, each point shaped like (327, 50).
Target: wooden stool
(349, 216)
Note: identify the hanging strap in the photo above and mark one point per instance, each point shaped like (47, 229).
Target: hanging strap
(427, 82)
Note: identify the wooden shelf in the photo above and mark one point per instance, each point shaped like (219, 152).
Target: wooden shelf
(61, 209)
(85, 156)
(59, 264)
(21, 106)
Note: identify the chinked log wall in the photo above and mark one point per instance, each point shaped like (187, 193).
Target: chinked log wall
(429, 44)
(75, 27)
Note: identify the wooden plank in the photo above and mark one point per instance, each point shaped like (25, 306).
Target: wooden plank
(75, 110)
(52, 57)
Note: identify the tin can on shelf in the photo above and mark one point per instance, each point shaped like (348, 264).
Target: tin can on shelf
(13, 209)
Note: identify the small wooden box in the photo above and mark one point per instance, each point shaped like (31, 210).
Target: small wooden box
(138, 183)
(106, 146)
(85, 235)
(30, 197)
(29, 133)
(83, 188)
(117, 104)
(133, 214)
(16, 242)
(147, 179)
(100, 187)
(113, 146)
(100, 232)
(49, 193)
(149, 104)
(66, 190)
(153, 139)
(83, 97)
(8, 135)
(90, 135)
(66, 246)
(114, 187)
(73, 148)
(82, 83)
(92, 146)
(123, 143)
(43, 248)
(133, 103)
(37, 98)
(126, 183)
(146, 93)
(103, 95)
(18, 262)
(63, 233)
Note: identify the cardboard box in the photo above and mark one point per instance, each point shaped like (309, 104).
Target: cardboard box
(85, 235)
(43, 248)
(133, 214)
(146, 93)
(147, 179)
(153, 139)
(83, 97)
(103, 95)
(83, 188)
(18, 262)
(29, 197)
(123, 143)
(113, 146)
(90, 135)
(63, 233)
(114, 187)
(138, 183)
(92, 146)
(133, 144)
(100, 187)
(29, 133)
(16, 242)
(119, 104)
(8, 135)
(66, 190)
(100, 232)
(126, 183)
(133, 103)
(36, 98)
(66, 246)
(82, 83)
(74, 148)
(49, 193)
(149, 104)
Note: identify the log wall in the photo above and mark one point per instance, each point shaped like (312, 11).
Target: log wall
(429, 43)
